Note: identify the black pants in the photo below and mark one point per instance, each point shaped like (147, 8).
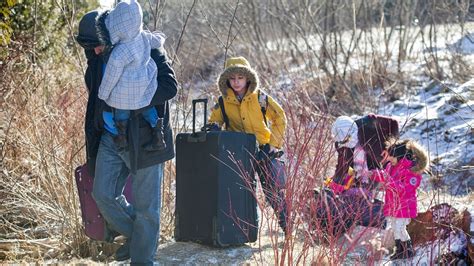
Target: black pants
(270, 173)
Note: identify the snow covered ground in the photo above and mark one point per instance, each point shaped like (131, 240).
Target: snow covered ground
(451, 38)
(441, 117)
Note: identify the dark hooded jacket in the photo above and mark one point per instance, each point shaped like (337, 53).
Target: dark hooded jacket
(139, 132)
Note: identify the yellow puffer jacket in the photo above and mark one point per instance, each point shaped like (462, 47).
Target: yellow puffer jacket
(246, 116)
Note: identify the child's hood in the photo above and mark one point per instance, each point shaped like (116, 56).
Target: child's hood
(238, 65)
(420, 157)
(124, 22)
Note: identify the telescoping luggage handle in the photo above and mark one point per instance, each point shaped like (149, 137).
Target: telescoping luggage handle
(198, 136)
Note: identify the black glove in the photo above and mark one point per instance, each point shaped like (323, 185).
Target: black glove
(265, 152)
(211, 127)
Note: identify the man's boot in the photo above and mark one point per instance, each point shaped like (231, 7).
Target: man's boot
(398, 253)
(157, 142)
(123, 252)
(121, 139)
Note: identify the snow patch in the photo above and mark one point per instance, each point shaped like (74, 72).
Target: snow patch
(465, 45)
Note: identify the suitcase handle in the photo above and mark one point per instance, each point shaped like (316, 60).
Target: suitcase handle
(194, 112)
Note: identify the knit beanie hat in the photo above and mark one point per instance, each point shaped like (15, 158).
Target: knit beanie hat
(345, 127)
(87, 36)
(237, 65)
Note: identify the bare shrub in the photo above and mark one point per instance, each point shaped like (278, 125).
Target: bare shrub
(349, 43)
(460, 69)
(40, 147)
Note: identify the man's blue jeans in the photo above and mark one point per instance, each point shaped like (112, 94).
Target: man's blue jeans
(140, 222)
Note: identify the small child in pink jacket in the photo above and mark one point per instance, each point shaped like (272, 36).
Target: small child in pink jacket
(401, 176)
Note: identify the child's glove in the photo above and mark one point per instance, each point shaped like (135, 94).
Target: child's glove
(272, 149)
(268, 152)
(211, 127)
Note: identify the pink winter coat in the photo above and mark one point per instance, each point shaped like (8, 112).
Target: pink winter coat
(401, 183)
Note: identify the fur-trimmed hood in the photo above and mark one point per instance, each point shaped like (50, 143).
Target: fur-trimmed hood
(420, 157)
(238, 65)
(410, 150)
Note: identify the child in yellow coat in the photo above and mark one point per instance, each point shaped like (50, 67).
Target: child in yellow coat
(247, 109)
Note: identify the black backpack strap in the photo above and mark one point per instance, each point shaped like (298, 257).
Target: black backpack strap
(263, 105)
(224, 115)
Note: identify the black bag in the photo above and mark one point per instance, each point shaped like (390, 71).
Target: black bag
(335, 214)
(215, 187)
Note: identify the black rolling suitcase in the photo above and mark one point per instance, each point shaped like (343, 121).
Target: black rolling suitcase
(215, 202)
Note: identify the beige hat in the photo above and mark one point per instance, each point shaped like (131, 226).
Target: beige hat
(238, 65)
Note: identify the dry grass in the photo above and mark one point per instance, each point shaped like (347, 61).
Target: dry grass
(41, 145)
